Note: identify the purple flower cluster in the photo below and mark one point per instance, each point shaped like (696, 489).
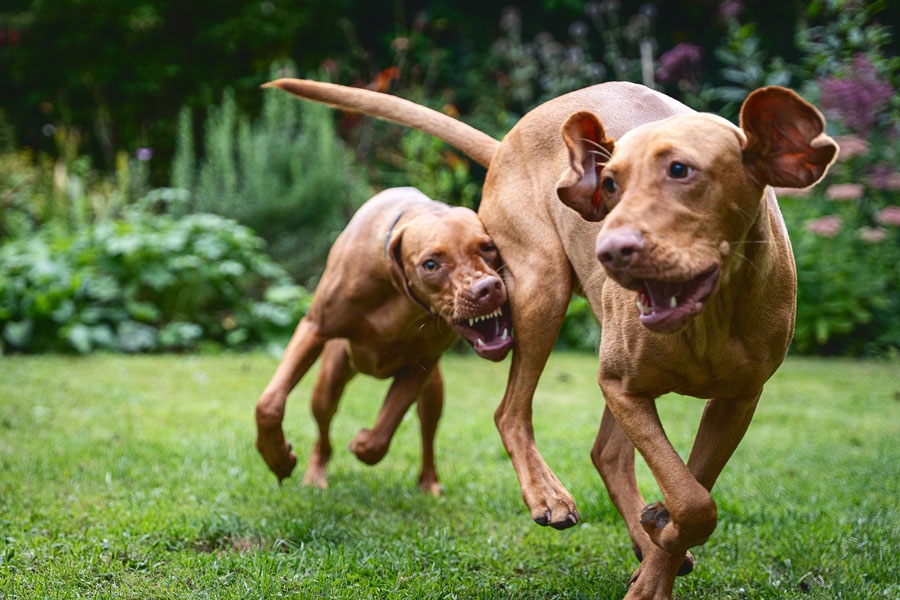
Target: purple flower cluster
(857, 98)
(883, 177)
(681, 63)
(730, 9)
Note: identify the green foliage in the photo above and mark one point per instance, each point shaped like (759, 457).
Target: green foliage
(286, 175)
(580, 329)
(848, 261)
(142, 283)
(437, 170)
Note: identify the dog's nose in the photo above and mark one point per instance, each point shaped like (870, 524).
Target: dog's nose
(619, 248)
(488, 290)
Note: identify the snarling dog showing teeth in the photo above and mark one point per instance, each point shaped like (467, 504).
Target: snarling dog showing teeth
(665, 219)
(403, 279)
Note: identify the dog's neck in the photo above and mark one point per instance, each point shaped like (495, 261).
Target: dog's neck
(755, 294)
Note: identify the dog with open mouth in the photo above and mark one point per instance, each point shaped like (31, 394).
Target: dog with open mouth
(403, 281)
(665, 219)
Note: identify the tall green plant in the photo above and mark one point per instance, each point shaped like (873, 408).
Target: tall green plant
(285, 174)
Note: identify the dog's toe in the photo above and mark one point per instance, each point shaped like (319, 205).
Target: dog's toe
(571, 519)
(543, 520)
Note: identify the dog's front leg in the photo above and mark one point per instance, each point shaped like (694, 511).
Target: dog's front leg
(688, 516)
(721, 429)
(302, 351)
(370, 445)
(539, 294)
(613, 456)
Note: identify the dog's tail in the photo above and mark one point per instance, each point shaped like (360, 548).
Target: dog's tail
(479, 146)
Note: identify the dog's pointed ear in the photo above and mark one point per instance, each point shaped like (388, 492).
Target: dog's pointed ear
(589, 149)
(786, 141)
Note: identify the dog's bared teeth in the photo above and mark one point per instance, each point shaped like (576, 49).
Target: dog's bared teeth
(673, 302)
(479, 342)
(505, 334)
(471, 322)
(645, 310)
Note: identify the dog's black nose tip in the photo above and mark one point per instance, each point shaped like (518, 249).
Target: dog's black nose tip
(620, 248)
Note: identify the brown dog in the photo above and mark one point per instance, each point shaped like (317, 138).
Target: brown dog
(404, 278)
(699, 297)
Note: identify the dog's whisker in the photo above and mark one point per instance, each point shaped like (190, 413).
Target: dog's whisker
(599, 147)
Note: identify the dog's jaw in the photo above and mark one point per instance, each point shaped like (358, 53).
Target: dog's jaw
(666, 307)
(490, 335)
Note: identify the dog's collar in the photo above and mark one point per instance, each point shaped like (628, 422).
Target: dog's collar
(387, 238)
(409, 292)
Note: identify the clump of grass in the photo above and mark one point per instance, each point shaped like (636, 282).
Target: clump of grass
(136, 477)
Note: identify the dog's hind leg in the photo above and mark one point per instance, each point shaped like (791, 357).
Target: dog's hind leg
(429, 405)
(302, 351)
(335, 371)
(370, 445)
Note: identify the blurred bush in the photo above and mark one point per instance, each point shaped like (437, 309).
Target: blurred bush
(286, 175)
(144, 282)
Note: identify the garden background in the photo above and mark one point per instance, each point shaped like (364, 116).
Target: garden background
(154, 201)
(136, 146)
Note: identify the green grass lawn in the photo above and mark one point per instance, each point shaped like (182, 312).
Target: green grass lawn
(136, 477)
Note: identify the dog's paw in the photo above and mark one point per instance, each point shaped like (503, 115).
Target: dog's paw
(315, 476)
(433, 488)
(367, 449)
(562, 515)
(654, 517)
(278, 456)
(686, 566)
(675, 534)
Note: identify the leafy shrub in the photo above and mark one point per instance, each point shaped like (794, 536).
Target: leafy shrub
(286, 175)
(143, 283)
(580, 329)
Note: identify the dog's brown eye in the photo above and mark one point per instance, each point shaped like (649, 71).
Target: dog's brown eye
(679, 170)
(609, 185)
(429, 265)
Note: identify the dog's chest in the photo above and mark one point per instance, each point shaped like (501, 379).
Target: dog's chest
(418, 341)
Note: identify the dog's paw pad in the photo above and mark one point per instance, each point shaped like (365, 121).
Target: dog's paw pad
(655, 515)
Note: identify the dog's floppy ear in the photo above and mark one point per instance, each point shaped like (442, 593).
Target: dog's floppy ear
(786, 141)
(589, 148)
(394, 251)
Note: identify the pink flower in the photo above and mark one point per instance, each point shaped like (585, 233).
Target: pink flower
(844, 191)
(872, 235)
(851, 145)
(825, 226)
(889, 215)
